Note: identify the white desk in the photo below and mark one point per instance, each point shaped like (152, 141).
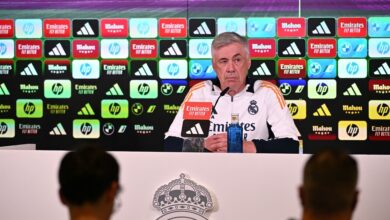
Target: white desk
(243, 186)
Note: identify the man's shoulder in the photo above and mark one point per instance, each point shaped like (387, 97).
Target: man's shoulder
(263, 86)
(201, 86)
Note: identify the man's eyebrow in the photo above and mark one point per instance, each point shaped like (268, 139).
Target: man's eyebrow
(225, 58)
(237, 55)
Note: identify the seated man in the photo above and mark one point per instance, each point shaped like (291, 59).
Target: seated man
(329, 186)
(266, 120)
(89, 183)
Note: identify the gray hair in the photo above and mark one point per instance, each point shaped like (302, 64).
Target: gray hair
(227, 38)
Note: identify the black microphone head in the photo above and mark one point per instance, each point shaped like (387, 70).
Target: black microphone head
(225, 91)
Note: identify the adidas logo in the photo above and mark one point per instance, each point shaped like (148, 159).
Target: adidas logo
(195, 130)
(58, 50)
(292, 50)
(115, 90)
(144, 70)
(3, 89)
(173, 51)
(203, 29)
(383, 69)
(353, 90)
(86, 110)
(86, 30)
(322, 29)
(262, 70)
(29, 71)
(322, 111)
(58, 130)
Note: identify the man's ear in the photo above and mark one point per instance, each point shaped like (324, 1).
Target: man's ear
(355, 199)
(112, 191)
(62, 197)
(301, 195)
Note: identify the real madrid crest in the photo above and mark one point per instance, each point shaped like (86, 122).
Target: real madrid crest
(182, 199)
(253, 108)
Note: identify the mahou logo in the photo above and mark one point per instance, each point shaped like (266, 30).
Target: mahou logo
(7, 28)
(173, 27)
(291, 27)
(143, 48)
(352, 27)
(85, 48)
(59, 28)
(262, 48)
(114, 27)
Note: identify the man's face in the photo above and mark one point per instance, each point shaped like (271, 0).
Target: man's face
(231, 63)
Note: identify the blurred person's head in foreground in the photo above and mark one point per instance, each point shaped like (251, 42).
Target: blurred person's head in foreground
(329, 189)
(89, 183)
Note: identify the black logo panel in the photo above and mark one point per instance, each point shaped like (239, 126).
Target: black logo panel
(26, 68)
(379, 68)
(321, 27)
(291, 48)
(173, 48)
(57, 48)
(202, 27)
(85, 28)
(195, 128)
(262, 69)
(143, 69)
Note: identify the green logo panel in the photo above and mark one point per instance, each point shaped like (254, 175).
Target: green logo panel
(7, 128)
(86, 128)
(29, 108)
(115, 108)
(143, 89)
(57, 89)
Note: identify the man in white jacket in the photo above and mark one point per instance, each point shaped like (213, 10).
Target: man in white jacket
(263, 114)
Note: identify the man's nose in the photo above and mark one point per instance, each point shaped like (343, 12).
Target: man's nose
(230, 66)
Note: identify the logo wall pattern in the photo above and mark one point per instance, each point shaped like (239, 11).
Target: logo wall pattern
(93, 78)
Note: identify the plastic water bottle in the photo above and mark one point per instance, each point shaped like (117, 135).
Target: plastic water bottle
(234, 135)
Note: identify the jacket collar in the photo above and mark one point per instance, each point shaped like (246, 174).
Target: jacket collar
(249, 81)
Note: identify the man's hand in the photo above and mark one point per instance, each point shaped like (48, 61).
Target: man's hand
(218, 143)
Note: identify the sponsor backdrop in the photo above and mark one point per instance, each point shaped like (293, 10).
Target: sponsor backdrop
(119, 80)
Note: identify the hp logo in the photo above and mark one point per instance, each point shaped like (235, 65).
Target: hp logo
(173, 69)
(202, 48)
(143, 89)
(383, 47)
(85, 69)
(57, 88)
(322, 88)
(143, 28)
(382, 109)
(114, 108)
(231, 27)
(352, 130)
(3, 48)
(29, 108)
(28, 28)
(3, 128)
(86, 128)
(293, 108)
(315, 68)
(114, 48)
(196, 68)
(352, 68)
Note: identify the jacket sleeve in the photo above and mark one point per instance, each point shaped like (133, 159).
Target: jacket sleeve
(278, 114)
(173, 144)
(282, 145)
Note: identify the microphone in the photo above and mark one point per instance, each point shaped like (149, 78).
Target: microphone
(216, 102)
